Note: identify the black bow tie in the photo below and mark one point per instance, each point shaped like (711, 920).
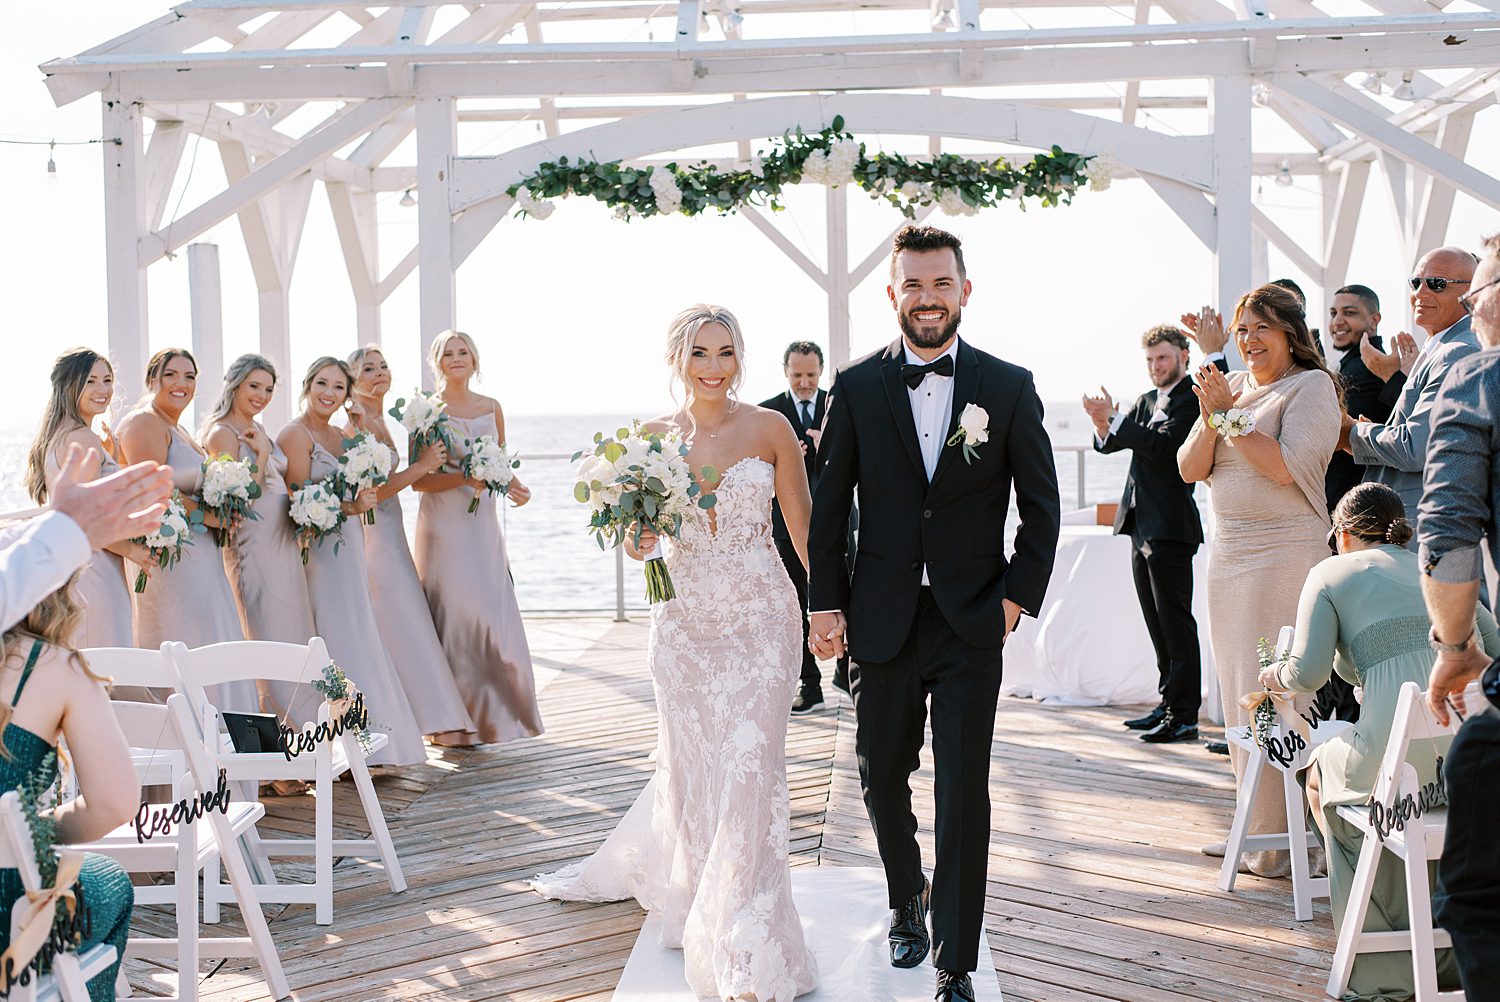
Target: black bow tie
(913, 374)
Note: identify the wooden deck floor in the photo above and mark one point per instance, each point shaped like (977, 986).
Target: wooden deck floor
(1097, 889)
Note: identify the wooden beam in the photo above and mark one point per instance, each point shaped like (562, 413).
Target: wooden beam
(1338, 240)
(838, 286)
(793, 253)
(163, 153)
(206, 320)
(1232, 196)
(321, 143)
(1190, 205)
(882, 251)
(1437, 203)
(1302, 260)
(124, 221)
(436, 136)
(354, 219)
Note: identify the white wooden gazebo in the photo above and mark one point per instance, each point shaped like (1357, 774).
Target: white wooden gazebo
(302, 93)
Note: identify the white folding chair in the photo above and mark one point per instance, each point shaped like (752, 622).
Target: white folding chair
(1416, 843)
(187, 849)
(71, 972)
(1293, 740)
(262, 660)
(141, 668)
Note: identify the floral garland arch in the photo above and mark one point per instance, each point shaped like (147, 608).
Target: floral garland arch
(958, 185)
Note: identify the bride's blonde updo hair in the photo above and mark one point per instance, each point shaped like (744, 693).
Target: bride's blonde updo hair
(1374, 513)
(683, 332)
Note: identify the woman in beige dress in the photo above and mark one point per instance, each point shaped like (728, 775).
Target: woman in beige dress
(336, 577)
(463, 564)
(191, 601)
(1270, 517)
(400, 605)
(83, 384)
(263, 559)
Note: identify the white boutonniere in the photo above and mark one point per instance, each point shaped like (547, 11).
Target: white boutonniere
(973, 430)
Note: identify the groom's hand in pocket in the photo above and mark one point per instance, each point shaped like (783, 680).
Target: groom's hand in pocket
(826, 633)
(1012, 617)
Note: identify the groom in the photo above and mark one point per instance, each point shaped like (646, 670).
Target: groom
(933, 596)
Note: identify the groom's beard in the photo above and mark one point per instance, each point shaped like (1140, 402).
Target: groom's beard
(917, 336)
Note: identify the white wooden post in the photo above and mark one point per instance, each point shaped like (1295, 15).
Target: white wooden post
(437, 126)
(1260, 258)
(354, 217)
(1229, 108)
(124, 225)
(838, 276)
(205, 307)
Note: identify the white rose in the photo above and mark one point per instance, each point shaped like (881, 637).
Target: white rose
(664, 186)
(1101, 170)
(974, 422)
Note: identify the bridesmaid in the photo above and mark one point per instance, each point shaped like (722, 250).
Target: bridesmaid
(263, 559)
(83, 384)
(400, 606)
(337, 582)
(190, 601)
(464, 567)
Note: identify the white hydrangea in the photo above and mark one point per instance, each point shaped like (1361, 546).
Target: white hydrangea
(664, 186)
(1101, 170)
(174, 529)
(533, 206)
(422, 413)
(225, 478)
(952, 203)
(315, 506)
(757, 165)
(625, 212)
(834, 166)
(366, 463)
(916, 191)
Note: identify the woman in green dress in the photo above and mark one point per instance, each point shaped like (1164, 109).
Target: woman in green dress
(1362, 615)
(47, 692)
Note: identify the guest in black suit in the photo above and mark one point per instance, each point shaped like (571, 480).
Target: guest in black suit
(803, 405)
(933, 434)
(1352, 321)
(1159, 514)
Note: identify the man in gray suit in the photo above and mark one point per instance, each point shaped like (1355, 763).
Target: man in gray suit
(1460, 512)
(1393, 452)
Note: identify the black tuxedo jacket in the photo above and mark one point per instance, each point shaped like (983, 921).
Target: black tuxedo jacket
(1364, 394)
(783, 404)
(955, 524)
(1157, 504)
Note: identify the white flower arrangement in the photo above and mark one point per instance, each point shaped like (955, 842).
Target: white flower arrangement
(532, 206)
(318, 513)
(1232, 423)
(366, 463)
(973, 430)
(1102, 169)
(175, 532)
(664, 187)
(425, 418)
(228, 489)
(640, 480)
(490, 461)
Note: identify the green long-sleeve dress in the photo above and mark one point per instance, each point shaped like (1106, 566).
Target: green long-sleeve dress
(1362, 615)
(104, 894)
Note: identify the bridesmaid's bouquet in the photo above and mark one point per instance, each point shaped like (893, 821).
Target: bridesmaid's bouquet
(228, 488)
(318, 513)
(640, 480)
(425, 419)
(490, 461)
(166, 543)
(366, 463)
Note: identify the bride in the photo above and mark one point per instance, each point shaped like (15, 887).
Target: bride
(705, 845)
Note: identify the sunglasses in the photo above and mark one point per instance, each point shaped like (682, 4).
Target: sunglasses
(1434, 283)
(1468, 299)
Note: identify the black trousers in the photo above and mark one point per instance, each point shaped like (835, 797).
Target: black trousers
(1163, 572)
(798, 574)
(1466, 901)
(890, 705)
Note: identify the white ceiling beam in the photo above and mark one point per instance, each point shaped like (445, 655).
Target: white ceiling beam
(1300, 259)
(1391, 139)
(1338, 240)
(791, 250)
(547, 107)
(882, 251)
(1190, 204)
(1437, 202)
(266, 177)
(486, 24)
(282, 30)
(1319, 132)
(163, 153)
(1472, 92)
(355, 225)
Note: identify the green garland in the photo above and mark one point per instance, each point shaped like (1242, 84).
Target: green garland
(958, 185)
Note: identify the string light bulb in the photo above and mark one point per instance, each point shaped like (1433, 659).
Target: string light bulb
(1373, 82)
(52, 162)
(406, 200)
(1405, 91)
(1284, 173)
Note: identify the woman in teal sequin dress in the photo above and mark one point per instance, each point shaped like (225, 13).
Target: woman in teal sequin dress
(1362, 614)
(47, 692)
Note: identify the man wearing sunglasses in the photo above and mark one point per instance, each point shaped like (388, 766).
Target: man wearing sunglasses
(1460, 506)
(1393, 452)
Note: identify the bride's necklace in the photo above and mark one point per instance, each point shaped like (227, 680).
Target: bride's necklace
(717, 428)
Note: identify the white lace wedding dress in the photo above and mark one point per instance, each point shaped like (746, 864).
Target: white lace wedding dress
(705, 844)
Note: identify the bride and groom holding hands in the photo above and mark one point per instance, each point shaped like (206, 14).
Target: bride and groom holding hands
(932, 436)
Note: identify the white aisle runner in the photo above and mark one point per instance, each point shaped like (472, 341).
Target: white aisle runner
(844, 912)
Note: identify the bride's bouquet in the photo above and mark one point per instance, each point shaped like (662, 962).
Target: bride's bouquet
(490, 461)
(228, 488)
(166, 543)
(640, 480)
(425, 419)
(366, 463)
(318, 513)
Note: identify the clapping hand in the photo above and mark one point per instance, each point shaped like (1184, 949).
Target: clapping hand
(1406, 348)
(120, 506)
(1381, 363)
(1100, 409)
(1213, 390)
(1206, 327)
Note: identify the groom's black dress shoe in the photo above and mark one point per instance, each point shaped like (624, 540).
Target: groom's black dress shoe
(954, 986)
(909, 939)
(1171, 729)
(1149, 721)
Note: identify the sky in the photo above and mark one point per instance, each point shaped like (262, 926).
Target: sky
(570, 313)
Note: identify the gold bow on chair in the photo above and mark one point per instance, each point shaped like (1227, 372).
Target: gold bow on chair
(37, 913)
(1282, 702)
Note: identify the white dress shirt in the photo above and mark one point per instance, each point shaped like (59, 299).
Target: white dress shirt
(1158, 413)
(36, 558)
(931, 410)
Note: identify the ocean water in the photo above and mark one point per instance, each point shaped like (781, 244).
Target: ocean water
(556, 564)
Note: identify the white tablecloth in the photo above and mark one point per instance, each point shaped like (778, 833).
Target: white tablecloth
(1089, 645)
